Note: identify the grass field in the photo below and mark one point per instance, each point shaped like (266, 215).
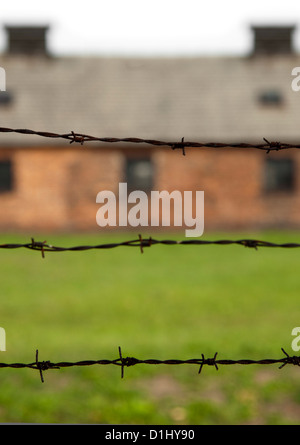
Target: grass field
(170, 302)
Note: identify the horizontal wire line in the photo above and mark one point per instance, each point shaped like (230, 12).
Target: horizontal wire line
(144, 242)
(132, 361)
(181, 145)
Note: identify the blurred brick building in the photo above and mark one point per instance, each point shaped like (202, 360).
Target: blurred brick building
(48, 184)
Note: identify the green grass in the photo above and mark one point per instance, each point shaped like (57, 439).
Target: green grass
(170, 302)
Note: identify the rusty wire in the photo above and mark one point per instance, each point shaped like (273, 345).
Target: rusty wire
(124, 362)
(181, 145)
(141, 243)
(43, 247)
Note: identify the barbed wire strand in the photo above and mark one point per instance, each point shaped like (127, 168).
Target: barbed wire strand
(181, 145)
(141, 243)
(125, 362)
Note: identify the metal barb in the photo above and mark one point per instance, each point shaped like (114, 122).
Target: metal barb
(209, 362)
(141, 243)
(76, 138)
(273, 145)
(181, 145)
(38, 365)
(290, 360)
(122, 362)
(37, 245)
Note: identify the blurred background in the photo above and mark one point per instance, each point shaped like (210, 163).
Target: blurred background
(219, 73)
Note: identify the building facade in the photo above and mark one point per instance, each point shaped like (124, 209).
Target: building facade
(47, 184)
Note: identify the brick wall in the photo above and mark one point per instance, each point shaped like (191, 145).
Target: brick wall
(233, 184)
(56, 188)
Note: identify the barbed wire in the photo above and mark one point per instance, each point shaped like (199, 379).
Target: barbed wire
(141, 243)
(125, 362)
(43, 247)
(181, 145)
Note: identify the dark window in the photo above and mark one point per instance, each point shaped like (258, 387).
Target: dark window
(279, 175)
(6, 182)
(139, 174)
(271, 98)
(5, 98)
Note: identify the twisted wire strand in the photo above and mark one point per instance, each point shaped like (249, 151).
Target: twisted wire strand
(123, 362)
(144, 242)
(181, 145)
